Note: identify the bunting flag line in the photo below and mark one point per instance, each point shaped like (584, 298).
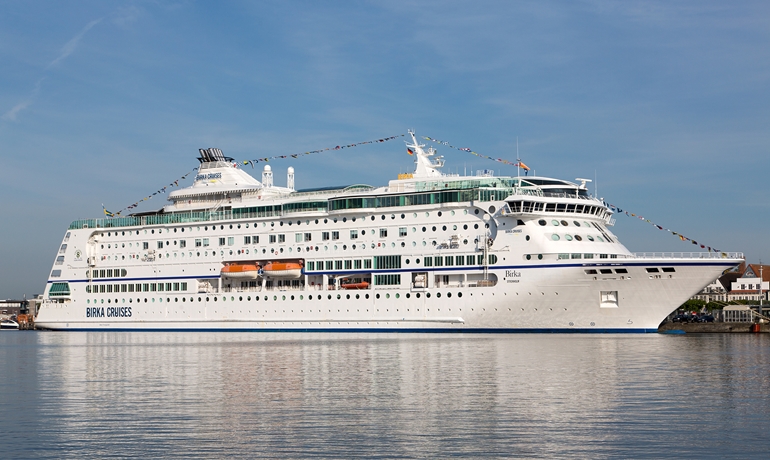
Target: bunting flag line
(679, 235)
(519, 163)
(162, 190)
(339, 147)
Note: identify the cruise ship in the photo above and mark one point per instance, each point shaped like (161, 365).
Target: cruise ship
(428, 252)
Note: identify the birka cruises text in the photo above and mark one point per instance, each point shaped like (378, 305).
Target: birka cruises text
(209, 176)
(109, 312)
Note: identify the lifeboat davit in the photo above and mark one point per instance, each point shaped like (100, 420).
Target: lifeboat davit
(245, 271)
(359, 285)
(283, 270)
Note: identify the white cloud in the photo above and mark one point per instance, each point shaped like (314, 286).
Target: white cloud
(11, 114)
(71, 45)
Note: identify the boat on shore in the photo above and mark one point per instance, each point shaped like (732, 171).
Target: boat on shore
(9, 324)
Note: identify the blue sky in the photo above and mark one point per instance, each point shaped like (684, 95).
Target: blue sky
(667, 103)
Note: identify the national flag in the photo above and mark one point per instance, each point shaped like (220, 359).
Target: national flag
(107, 213)
(522, 166)
(410, 151)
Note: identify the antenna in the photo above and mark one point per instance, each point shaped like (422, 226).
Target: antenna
(518, 160)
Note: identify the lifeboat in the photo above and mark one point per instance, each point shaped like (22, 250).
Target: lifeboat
(243, 271)
(283, 270)
(352, 285)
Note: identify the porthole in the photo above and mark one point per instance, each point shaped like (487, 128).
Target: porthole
(377, 296)
(454, 227)
(438, 294)
(578, 237)
(443, 228)
(542, 222)
(465, 227)
(403, 216)
(366, 296)
(407, 261)
(475, 211)
(568, 237)
(492, 208)
(383, 217)
(565, 223)
(439, 213)
(433, 228)
(577, 224)
(476, 226)
(417, 261)
(418, 295)
(449, 294)
(529, 257)
(459, 294)
(424, 229)
(398, 295)
(555, 222)
(427, 294)
(600, 239)
(590, 238)
(526, 237)
(555, 237)
(539, 257)
(408, 295)
(387, 296)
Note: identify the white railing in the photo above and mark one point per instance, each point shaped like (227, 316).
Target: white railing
(688, 255)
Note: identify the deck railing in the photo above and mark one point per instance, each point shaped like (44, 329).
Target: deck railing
(688, 255)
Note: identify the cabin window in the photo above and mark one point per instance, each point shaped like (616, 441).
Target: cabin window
(308, 236)
(383, 233)
(182, 243)
(198, 242)
(246, 240)
(335, 235)
(402, 232)
(353, 234)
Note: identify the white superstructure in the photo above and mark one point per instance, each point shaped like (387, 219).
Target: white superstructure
(429, 251)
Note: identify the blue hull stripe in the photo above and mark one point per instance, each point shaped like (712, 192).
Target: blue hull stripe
(434, 269)
(388, 330)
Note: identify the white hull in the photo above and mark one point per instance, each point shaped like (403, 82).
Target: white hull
(439, 253)
(539, 299)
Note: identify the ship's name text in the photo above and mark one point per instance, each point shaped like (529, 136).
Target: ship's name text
(109, 312)
(208, 176)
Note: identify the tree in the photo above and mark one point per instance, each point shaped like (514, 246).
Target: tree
(693, 305)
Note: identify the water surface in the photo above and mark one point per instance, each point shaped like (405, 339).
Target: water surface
(109, 394)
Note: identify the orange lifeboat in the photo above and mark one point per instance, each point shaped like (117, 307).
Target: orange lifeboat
(359, 285)
(283, 270)
(243, 271)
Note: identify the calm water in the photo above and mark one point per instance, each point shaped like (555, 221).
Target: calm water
(383, 395)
